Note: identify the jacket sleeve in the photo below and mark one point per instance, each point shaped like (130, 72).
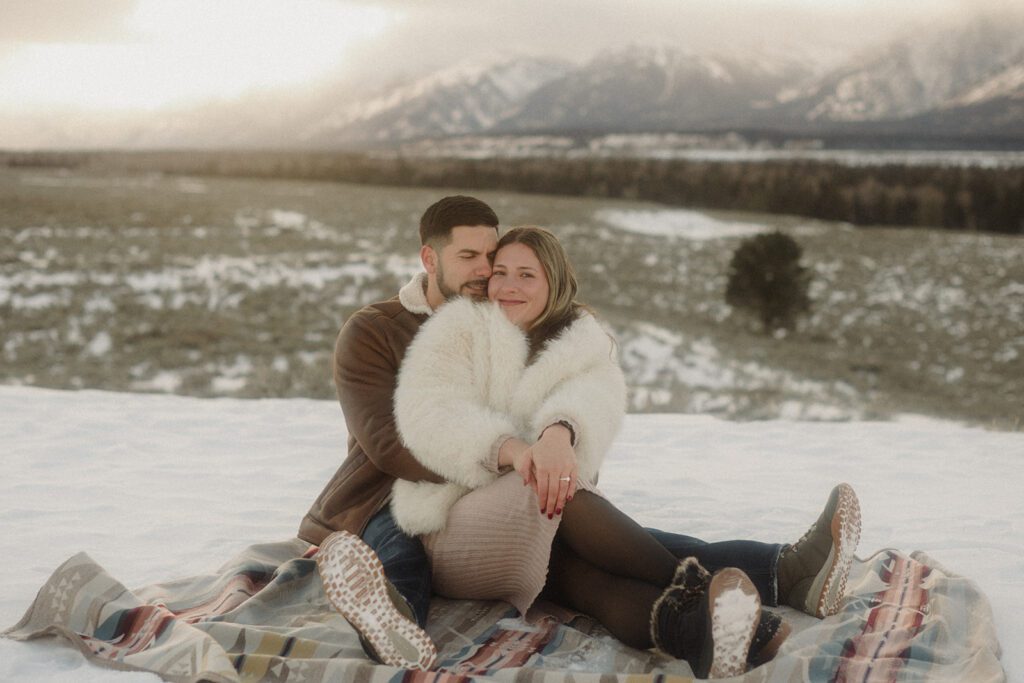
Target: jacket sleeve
(594, 402)
(440, 407)
(365, 374)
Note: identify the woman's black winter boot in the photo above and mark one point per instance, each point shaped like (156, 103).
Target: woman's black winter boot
(708, 621)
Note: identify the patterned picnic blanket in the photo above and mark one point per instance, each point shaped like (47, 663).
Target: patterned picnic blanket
(264, 617)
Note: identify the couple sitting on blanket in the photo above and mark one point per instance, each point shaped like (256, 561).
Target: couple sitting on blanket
(480, 403)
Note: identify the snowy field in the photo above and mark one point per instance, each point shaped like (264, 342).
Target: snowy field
(155, 487)
(236, 287)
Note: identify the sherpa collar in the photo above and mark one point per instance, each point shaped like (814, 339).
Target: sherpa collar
(413, 296)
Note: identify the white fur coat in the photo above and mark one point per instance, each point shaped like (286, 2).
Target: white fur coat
(464, 385)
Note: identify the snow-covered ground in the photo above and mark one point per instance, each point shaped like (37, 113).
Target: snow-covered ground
(156, 487)
(681, 223)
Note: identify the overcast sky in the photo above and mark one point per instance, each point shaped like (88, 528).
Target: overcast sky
(145, 54)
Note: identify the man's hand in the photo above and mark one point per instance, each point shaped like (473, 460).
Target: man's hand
(554, 469)
(515, 453)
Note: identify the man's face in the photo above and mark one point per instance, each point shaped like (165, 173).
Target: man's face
(463, 266)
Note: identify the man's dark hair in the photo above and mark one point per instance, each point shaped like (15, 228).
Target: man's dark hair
(450, 212)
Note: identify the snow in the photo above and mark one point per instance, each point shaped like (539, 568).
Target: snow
(691, 225)
(1004, 84)
(663, 365)
(288, 219)
(100, 344)
(164, 381)
(216, 276)
(715, 69)
(485, 88)
(34, 302)
(233, 377)
(191, 186)
(156, 487)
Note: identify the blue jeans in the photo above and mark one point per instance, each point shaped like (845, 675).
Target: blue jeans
(758, 560)
(405, 562)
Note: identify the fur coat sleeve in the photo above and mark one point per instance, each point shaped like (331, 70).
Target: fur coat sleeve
(443, 403)
(444, 411)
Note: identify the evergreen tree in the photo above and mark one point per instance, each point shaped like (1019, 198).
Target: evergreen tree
(767, 280)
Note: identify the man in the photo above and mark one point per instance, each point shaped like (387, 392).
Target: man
(459, 236)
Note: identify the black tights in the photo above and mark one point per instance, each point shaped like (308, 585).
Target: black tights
(607, 566)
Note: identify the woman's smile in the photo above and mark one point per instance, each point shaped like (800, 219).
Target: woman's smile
(519, 284)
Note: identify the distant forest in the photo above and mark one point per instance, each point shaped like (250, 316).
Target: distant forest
(958, 198)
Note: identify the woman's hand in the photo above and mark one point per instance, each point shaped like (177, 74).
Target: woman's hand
(554, 469)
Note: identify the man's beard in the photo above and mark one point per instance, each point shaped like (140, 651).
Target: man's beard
(474, 289)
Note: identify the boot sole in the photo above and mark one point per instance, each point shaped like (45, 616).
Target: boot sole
(354, 582)
(734, 610)
(830, 584)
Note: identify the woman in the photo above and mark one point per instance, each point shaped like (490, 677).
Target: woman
(530, 382)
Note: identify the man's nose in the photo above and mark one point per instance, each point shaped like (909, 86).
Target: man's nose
(483, 269)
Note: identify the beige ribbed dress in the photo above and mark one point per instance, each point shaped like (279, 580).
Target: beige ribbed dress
(496, 545)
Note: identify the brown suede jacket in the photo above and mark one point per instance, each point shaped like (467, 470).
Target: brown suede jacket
(367, 355)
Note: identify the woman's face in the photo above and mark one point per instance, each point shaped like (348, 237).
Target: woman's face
(519, 284)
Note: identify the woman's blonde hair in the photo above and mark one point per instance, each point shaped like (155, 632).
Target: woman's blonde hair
(561, 307)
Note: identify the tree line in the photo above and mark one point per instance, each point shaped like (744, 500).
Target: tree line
(959, 198)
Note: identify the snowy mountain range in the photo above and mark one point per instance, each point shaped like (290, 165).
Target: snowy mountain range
(963, 78)
(634, 88)
(468, 98)
(962, 83)
(653, 88)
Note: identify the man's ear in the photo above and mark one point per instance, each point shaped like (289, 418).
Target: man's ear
(429, 259)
